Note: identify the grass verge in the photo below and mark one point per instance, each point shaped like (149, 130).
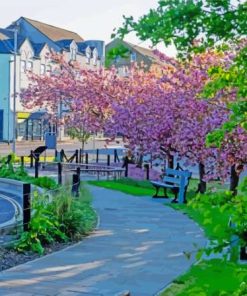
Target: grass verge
(209, 278)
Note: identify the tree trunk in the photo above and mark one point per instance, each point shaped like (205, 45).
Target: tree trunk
(170, 161)
(234, 180)
(202, 186)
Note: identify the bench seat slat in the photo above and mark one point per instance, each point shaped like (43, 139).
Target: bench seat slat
(172, 180)
(163, 184)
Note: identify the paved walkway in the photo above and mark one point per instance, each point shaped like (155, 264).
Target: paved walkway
(138, 247)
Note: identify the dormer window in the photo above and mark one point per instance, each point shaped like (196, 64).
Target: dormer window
(23, 66)
(95, 57)
(42, 69)
(88, 55)
(48, 70)
(29, 66)
(73, 54)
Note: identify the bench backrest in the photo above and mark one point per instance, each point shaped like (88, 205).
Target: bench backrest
(171, 172)
(178, 177)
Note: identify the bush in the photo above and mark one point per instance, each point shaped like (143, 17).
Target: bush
(19, 174)
(233, 207)
(75, 216)
(59, 220)
(44, 228)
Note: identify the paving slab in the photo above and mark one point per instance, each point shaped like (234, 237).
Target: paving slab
(138, 247)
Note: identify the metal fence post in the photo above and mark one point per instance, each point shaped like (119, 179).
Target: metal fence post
(22, 161)
(108, 160)
(86, 160)
(31, 159)
(36, 167)
(26, 206)
(59, 172)
(77, 156)
(146, 166)
(126, 169)
(97, 155)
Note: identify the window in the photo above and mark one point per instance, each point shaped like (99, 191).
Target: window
(30, 66)
(73, 54)
(23, 66)
(42, 69)
(133, 57)
(95, 57)
(88, 55)
(48, 70)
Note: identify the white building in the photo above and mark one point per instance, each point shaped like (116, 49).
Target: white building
(35, 41)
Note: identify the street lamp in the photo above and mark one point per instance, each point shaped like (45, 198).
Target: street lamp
(15, 30)
(14, 102)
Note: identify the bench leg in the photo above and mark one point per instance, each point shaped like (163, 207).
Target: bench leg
(157, 191)
(176, 191)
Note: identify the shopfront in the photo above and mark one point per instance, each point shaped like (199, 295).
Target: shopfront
(31, 126)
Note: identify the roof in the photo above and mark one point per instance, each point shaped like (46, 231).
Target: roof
(37, 47)
(54, 33)
(7, 46)
(4, 48)
(6, 34)
(64, 43)
(82, 47)
(146, 52)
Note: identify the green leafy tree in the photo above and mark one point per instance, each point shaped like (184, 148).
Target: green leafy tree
(113, 54)
(80, 134)
(193, 26)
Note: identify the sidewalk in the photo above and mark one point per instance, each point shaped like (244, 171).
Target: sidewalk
(138, 247)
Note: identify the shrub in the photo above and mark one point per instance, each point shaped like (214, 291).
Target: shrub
(44, 228)
(75, 216)
(235, 207)
(65, 217)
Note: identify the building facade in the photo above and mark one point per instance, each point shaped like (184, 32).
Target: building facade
(133, 54)
(35, 41)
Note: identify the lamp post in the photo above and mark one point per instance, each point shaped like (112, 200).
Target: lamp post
(15, 30)
(14, 97)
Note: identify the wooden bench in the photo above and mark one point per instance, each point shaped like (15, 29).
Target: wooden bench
(177, 181)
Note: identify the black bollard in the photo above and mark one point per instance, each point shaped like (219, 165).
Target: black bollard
(26, 206)
(75, 185)
(36, 167)
(108, 160)
(59, 173)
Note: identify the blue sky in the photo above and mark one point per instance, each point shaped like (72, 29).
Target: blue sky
(92, 19)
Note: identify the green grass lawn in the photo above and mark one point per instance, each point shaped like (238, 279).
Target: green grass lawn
(129, 186)
(209, 278)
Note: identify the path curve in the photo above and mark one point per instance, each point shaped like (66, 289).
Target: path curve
(7, 210)
(138, 247)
